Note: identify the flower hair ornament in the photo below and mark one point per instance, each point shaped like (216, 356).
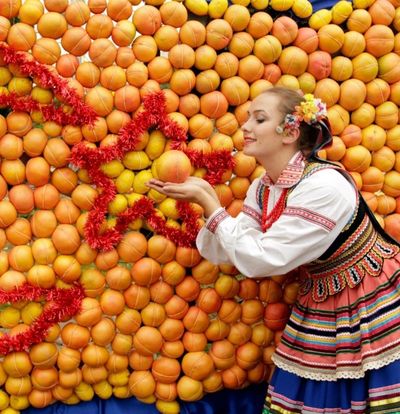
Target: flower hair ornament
(311, 110)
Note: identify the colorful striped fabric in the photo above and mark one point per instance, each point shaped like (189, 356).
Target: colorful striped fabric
(342, 355)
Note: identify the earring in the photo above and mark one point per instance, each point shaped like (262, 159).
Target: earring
(279, 129)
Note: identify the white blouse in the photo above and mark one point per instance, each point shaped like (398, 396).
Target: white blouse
(317, 210)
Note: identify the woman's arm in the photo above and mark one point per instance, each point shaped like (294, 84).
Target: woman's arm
(207, 242)
(317, 210)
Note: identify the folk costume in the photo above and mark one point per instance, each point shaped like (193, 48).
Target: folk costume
(340, 350)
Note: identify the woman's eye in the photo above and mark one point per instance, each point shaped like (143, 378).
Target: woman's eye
(260, 121)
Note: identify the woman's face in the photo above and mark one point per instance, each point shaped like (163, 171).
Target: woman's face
(260, 137)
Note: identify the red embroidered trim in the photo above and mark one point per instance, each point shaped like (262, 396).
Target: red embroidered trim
(290, 175)
(311, 216)
(216, 220)
(251, 212)
(268, 219)
(63, 303)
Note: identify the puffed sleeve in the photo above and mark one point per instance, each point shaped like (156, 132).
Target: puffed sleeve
(316, 212)
(250, 217)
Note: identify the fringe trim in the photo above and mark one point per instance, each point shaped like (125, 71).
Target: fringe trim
(345, 372)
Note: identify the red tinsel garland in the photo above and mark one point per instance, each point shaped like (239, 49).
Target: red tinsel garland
(153, 115)
(63, 303)
(81, 113)
(50, 112)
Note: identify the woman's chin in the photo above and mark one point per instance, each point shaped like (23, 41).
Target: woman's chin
(247, 150)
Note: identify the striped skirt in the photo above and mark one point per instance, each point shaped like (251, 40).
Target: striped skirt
(342, 356)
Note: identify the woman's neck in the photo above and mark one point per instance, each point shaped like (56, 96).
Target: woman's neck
(275, 164)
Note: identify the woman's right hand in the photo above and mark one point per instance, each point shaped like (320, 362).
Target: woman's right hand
(194, 189)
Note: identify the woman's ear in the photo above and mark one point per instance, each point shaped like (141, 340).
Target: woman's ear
(291, 136)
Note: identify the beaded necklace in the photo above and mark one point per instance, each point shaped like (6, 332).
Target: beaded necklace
(268, 219)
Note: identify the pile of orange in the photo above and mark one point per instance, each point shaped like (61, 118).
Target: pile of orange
(159, 321)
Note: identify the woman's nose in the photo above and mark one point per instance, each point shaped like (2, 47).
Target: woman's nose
(245, 127)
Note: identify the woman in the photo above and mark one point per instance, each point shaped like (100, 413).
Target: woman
(340, 350)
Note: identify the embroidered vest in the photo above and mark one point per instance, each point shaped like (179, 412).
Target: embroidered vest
(359, 250)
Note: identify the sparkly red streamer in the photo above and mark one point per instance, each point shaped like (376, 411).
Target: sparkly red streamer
(63, 303)
(81, 113)
(216, 163)
(153, 115)
(50, 112)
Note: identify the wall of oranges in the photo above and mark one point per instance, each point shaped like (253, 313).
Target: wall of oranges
(158, 321)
